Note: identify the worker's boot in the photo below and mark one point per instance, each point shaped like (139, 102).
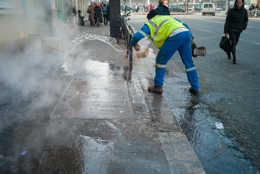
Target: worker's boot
(156, 89)
(193, 91)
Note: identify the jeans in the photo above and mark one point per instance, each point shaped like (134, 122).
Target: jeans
(96, 20)
(105, 19)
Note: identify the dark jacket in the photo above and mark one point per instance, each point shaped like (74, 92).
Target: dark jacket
(97, 11)
(236, 20)
(80, 18)
(108, 12)
(104, 10)
(162, 10)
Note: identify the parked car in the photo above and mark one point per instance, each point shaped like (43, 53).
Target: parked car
(196, 9)
(189, 9)
(122, 8)
(175, 8)
(208, 8)
(219, 8)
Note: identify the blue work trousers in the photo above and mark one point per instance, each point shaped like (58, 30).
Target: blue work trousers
(182, 43)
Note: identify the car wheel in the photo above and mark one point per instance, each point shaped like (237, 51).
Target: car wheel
(213, 14)
(202, 14)
(179, 11)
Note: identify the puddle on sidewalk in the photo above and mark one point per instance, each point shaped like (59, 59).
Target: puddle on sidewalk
(98, 90)
(102, 146)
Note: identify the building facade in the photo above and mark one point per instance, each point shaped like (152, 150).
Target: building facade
(17, 19)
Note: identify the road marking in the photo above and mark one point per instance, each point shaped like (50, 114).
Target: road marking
(203, 30)
(250, 41)
(217, 22)
(61, 98)
(253, 27)
(209, 20)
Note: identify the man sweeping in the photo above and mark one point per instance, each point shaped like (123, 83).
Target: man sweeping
(168, 35)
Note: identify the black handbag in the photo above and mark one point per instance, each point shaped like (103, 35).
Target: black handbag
(225, 44)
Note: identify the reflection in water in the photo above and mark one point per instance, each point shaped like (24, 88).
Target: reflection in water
(196, 116)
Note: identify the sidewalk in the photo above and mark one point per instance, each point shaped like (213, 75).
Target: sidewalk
(103, 121)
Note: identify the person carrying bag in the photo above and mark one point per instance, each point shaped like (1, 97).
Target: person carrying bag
(225, 44)
(236, 22)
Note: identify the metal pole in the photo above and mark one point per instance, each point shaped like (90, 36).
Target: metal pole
(187, 6)
(131, 54)
(126, 42)
(114, 8)
(126, 36)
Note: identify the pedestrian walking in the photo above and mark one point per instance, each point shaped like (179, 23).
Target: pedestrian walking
(104, 11)
(97, 14)
(81, 21)
(236, 22)
(253, 7)
(125, 7)
(162, 9)
(136, 8)
(168, 35)
(108, 12)
(101, 13)
(150, 7)
(91, 14)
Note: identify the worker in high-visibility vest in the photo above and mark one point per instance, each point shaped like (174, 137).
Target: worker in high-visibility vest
(168, 35)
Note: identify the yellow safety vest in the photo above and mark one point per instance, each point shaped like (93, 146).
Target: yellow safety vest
(161, 27)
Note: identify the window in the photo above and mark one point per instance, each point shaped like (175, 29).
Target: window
(210, 5)
(206, 5)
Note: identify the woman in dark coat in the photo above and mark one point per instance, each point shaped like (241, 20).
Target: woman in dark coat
(97, 14)
(236, 22)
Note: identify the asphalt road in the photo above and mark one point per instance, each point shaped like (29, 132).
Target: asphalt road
(229, 94)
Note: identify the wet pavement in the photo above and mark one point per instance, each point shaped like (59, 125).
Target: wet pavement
(86, 113)
(228, 95)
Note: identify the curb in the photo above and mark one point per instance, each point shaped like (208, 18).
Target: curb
(178, 152)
